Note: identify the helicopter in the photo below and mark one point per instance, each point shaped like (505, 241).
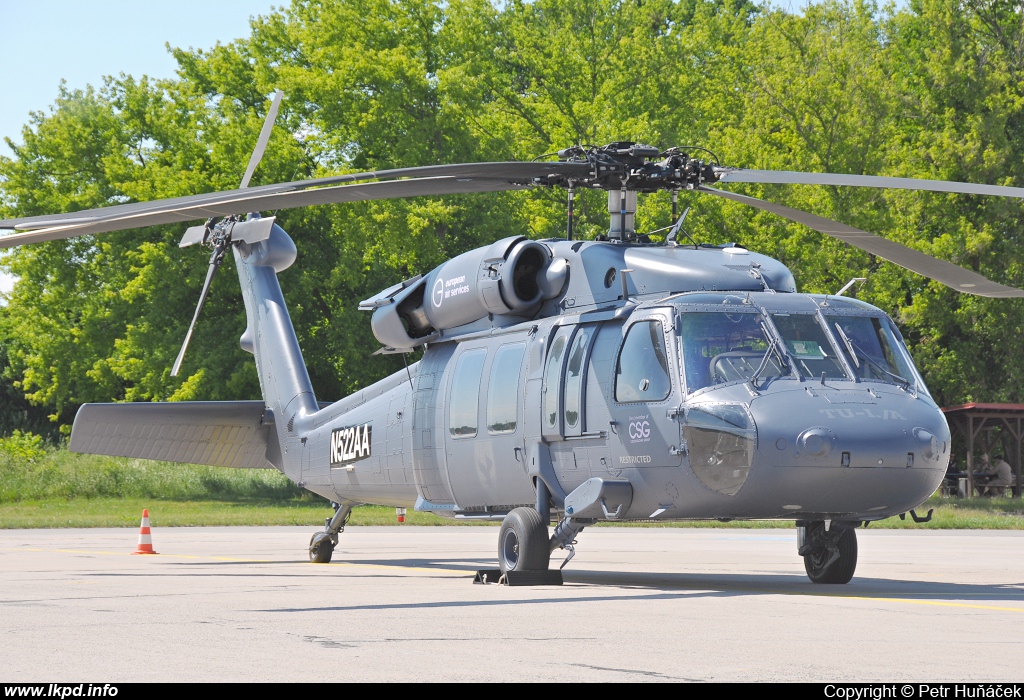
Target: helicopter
(567, 382)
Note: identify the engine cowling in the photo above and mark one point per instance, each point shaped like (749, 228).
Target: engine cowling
(511, 277)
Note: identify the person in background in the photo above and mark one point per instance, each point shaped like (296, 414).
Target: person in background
(1002, 476)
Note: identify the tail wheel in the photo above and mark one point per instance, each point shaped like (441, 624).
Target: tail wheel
(523, 542)
(320, 550)
(821, 570)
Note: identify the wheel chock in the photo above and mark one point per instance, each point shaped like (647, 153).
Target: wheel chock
(551, 577)
(487, 576)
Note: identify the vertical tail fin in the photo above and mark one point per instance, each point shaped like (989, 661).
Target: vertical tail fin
(270, 337)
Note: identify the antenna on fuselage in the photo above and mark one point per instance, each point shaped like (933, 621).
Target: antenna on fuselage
(849, 284)
(677, 227)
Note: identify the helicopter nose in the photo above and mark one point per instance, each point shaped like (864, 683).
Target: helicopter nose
(848, 451)
(849, 430)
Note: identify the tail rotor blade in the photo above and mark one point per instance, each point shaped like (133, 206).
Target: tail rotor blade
(215, 260)
(256, 230)
(264, 139)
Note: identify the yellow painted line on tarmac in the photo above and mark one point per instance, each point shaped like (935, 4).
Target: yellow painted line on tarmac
(430, 569)
(234, 559)
(914, 601)
(126, 554)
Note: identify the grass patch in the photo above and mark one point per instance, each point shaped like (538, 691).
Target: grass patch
(950, 514)
(127, 512)
(964, 514)
(59, 474)
(56, 488)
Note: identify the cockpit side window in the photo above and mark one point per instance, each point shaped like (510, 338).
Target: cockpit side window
(901, 345)
(641, 373)
(872, 349)
(809, 346)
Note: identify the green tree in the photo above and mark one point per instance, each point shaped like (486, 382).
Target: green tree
(931, 90)
(957, 68)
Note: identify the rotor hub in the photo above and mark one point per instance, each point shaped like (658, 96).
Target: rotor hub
(624, 168)
(635, 167)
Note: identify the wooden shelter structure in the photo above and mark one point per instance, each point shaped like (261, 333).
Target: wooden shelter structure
(988, 425)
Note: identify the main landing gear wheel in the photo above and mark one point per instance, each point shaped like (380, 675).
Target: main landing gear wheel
(321, 548)
(821, 564)
(523, 542)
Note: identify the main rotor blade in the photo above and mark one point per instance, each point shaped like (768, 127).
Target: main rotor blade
(442, 179)
(215, 261)
(914, 260)
(786, 177)
(241, 203)
(264, 139)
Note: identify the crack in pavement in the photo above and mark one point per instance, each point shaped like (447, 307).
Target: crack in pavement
(653, 674)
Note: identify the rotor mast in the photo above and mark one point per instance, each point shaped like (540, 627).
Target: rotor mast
(622, 214)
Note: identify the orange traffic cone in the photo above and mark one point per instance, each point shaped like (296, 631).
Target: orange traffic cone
(145, 538)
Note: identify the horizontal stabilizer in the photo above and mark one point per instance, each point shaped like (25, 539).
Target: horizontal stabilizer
(217, 433)
(253, 230)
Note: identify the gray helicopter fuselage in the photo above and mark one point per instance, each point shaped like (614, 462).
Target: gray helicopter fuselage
(706, 381)
(580, 381)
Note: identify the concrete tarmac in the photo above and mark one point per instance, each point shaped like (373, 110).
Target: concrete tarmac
(397, 604)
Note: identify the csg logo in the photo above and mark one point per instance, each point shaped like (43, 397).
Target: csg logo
(639, 430)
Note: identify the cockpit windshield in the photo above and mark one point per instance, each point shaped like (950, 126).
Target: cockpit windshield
(808, 345)
(740, 341)
(872, 349)
(720, 347)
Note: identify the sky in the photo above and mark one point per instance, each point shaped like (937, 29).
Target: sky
(81, 41)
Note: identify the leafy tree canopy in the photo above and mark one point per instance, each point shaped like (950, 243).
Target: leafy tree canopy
(932, 90)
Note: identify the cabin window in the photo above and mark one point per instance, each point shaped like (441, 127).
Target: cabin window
(551, 376)
(503, 389)
(641, 373)
(463, 403)
(574, 381)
